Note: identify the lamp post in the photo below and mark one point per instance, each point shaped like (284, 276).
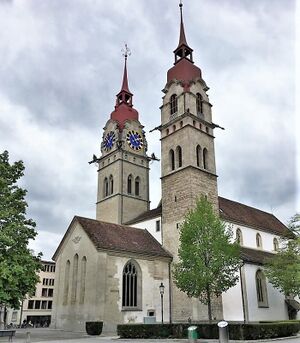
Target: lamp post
(162, 291)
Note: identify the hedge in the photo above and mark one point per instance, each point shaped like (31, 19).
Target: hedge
(237, 331)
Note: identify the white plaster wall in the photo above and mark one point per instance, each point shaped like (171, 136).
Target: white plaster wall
(150, 225)
(232, 303)
(249, 237)
(277, 309)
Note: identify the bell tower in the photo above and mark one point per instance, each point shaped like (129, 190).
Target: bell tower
(188, 158)
(123, 173)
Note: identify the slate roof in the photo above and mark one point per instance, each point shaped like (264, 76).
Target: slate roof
(255, 256)
(119, 238)
(234, 212)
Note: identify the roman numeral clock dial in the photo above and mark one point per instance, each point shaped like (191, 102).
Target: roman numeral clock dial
(134, 140)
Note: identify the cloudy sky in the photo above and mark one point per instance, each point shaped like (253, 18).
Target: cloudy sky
(61, 66)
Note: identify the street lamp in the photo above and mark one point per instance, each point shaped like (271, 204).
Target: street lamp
(162, 291)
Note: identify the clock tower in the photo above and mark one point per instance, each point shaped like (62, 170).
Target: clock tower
(123, 173)
(188, 160)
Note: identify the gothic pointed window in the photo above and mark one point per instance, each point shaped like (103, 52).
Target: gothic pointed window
(66, 282)
(173, 104)
(205, 158)
(275, 244)
(82, 280)
(239, 237)
(137, 186)
(106, 187)
(172, 159)
(258, 241)
(129, 184)
(179, 156)
(111, 184)
(198, 155)
(199, 103)
(74, 279)
(131, 286)
(261, 289)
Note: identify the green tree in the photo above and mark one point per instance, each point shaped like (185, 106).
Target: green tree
(208, 261)
(283, 270)
(18, 264)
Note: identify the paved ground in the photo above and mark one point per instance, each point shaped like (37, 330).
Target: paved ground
(58, 336)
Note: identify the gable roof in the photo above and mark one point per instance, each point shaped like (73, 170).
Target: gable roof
(255, 256)
(109, 236)
(249, 216)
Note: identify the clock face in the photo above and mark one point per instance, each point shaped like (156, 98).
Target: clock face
(109, 140)
(134, 140)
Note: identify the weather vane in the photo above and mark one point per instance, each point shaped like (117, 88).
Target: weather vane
(126, 51)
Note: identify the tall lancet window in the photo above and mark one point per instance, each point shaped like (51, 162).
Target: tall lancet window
(74, 279)
(261, 289)
(137, 186)
(131, 285)
(172, 159)
(198, 155)
(111, 184)
(82, 280)
(179, 156)
(205, 158)
(199, 103)
(129, 184)
(173, 104)
(105, 187)
(66, 283)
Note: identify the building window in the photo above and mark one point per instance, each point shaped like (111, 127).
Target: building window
(49, 305)
(105, 187)
(239, 237)
(167, 132)
(131, 286)
(111, 184)
(198, 155)
(137, 186)
(172, 159)
(66, 284)
(157, 223)
(74, 279)
(261, 289)
(44, 292)
(174, 128)
(275, 244)
(44, 304)
(205, 158)
(50, 292)
(258, 241)
(173, 104)
(199, 103)
(129, 184)
(30, 304)
(179, 156)
(37, 304)
(82, 277)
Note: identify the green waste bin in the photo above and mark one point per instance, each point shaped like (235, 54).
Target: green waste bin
(192, 334)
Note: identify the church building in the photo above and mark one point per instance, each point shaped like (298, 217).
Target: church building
(110, 268)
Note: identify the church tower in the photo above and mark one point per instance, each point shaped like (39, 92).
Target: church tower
(188, 158)
(123, 173)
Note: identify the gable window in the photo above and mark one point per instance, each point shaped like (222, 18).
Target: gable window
(129, 184)
(261, 289)
(74, 279)
(82, 279)
(173, 104)
(205, 158)
(275, 244)
(198, 155)
(172, 159)
(66, 283)
(179, 156)
(111, 184)
(137, 186)
(239, 237)
(258, 241)
(199, 103)
(131, 286)
(157, 224)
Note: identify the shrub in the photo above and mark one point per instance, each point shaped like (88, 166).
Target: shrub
(237, 331)
(93, 328)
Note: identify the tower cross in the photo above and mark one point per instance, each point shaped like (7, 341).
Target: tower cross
(126, 51)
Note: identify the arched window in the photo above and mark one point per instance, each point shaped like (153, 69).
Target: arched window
(198, 155)
(111, 184)
(275, 244)
(172, 159)
(173, 104)
(131, 285)
(179, 156)
(74, 279)
(199, 103)
(106, 187)
(137, 186)
(239, 237)
(261, 289)
(82, 280)
(66, 283)
(129, 184)
(258, 240)
(205, 158)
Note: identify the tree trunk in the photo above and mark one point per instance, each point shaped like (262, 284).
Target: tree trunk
(1, 318)
(208, 303)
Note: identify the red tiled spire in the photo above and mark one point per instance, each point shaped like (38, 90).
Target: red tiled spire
(125, 78)
(182, 39)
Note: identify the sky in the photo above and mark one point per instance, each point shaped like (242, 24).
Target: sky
(61, 67)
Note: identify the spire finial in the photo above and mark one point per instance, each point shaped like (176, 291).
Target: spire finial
(125, 52)
(182, 39)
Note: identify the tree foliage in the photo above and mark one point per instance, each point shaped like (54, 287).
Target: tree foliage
(208, 261)
(283, 271)
(18, 264)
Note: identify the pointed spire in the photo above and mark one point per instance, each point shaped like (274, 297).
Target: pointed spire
(182, 39)
(126, 53)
